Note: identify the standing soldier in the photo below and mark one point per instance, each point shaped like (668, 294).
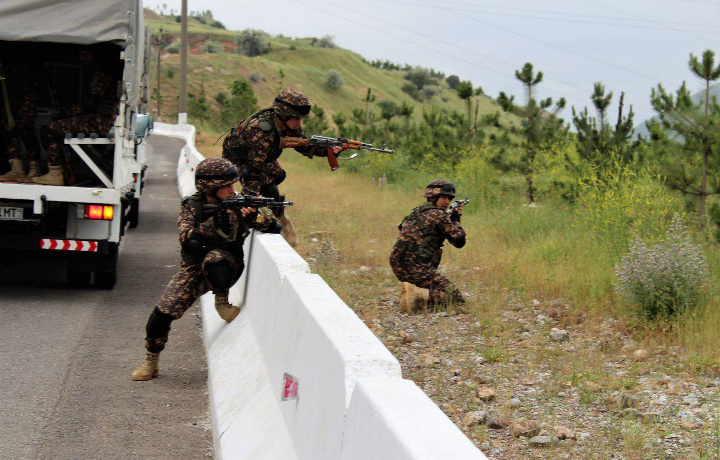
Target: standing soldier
(212, 253)
(417, 252)
(96, 114)
(23, 91)
(255, 146)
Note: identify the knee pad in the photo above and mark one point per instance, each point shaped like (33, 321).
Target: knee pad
(158, 324)
(219, 275)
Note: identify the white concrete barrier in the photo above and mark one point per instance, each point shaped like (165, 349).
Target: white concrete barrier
(351, 404)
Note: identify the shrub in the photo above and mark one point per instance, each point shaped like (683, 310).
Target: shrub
(429, 91)
(253, 42)
(328, 41)
(665, 279)
(173, 48)
(218, 25)
(334, 80)
(212, 47)
(256, 76)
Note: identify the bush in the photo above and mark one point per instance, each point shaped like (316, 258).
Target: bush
(256, 76)
(429, 91)
(212, 47)
(173, 48)
(218, 25)
(328, 41)
(665, 279)
(334, 80)
(412, 90)
(452, 81)
(252, 42)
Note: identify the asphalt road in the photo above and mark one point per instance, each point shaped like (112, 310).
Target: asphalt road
(66, 354)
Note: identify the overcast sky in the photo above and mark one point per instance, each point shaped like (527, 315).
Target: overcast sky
(629, 46)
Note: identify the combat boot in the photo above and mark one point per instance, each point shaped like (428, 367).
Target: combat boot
(16, 173)
(53, 177)
(148, 369)
(288, 230)
(413, 297)
(34, 171)
(225, 310)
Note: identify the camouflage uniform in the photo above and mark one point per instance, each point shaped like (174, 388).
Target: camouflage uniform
(193, 278)
(96, 115)
(23, 94)
(254, 145)
(418, 250)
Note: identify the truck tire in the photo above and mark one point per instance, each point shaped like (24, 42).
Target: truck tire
(107, 278)
(134, 213)
(78, 278)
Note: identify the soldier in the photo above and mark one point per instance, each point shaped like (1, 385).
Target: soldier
(254, 146)
(417, 252)
(23, 91)
(212, 253)
(96, 114)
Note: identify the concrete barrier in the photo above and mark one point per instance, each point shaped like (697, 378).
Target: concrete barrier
(294, 334)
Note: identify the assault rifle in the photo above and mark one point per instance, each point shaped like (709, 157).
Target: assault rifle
(322, 142)
(457, 204)
(237, 202)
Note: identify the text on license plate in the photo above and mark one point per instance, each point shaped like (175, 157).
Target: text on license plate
(10, 213)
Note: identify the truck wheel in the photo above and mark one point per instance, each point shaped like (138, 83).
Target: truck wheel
(78, 278)
(105, 280)
(134, 213)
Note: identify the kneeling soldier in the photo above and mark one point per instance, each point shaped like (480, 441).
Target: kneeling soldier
(417, 252)
(212, 253)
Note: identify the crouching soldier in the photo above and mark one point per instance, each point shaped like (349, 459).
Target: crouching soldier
(212, 255)
(417, 252)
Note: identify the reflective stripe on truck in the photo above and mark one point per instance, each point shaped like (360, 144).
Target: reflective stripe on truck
(69, 245)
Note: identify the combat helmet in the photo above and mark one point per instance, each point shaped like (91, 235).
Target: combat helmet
(290, 103)
(439, 187)
(213, 173)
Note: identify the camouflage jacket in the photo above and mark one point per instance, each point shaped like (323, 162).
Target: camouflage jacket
(194, 223)
(256, 142)
(424, 231)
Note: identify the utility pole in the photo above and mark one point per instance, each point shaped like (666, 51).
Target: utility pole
(159, 51)
(182, 105)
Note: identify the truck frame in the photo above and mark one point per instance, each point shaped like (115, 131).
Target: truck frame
(82, 223)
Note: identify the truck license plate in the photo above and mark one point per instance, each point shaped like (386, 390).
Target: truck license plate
(7, 213)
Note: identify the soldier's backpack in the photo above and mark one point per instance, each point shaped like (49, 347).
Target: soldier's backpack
(431, 241)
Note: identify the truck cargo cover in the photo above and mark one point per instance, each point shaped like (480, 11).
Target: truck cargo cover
(69, 21)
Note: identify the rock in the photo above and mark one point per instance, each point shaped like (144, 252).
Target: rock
(562, 432)
(429, 360)
(542, 319)
(320, 235)
(485, 446)
(627, 401)
(650, 417)
(592, 386)
(515, 403)
(640, 355)
(536, 303)
(364, 269)
(486, 394)
(210, 69)
(527, 428)
(225, 72)
(543, 432)
(541, 441)
(496, 422)
(474, 418)
(686, 415)
(689, 425)
(559, 335)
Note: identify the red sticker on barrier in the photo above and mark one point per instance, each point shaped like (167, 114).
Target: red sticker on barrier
(290, 387)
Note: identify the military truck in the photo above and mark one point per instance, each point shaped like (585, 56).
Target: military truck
(83, 221)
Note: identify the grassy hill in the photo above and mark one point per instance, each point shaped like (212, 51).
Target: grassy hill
(291, 62)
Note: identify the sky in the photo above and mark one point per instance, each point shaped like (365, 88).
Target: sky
(630, 46)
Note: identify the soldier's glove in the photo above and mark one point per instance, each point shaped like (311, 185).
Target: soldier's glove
(279, 180)
(455, 216)
(222, 219)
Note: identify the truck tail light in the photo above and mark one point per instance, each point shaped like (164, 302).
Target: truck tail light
(99, 212)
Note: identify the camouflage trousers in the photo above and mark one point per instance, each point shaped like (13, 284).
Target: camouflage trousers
(25, 113)
(410, 268)
(186, 286)
(54, 132)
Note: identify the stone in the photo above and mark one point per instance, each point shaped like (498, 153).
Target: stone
(474, 418)
(527, 428)
(640, 355)
(562, 432)
(650, 417)
(627, 401)
(559, 335)
(515, 403)
(486, 394)
(429, 360)
(541, 441)
(496, 422)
